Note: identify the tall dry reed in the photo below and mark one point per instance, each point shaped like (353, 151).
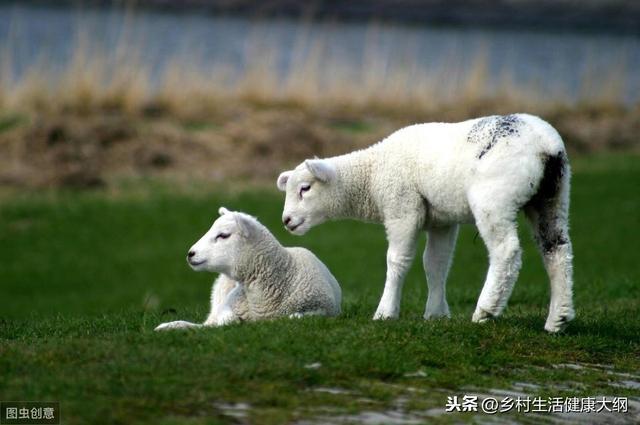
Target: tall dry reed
(117, 77)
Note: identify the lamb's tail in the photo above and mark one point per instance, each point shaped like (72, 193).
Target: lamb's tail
(553, 187)
(548, 208)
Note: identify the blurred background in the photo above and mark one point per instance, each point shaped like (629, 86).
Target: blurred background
(96, 92)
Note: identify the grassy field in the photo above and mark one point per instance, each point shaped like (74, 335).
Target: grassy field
(86, 276)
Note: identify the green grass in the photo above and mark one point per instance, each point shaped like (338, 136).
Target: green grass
(352, 126)
(10, 121)
(85, 277)
(196, 126)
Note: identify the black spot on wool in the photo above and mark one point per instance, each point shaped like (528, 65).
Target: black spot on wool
(549, 236)
(488, 131)
(554, 169)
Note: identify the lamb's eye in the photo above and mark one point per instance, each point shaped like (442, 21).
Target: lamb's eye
(304, 188)
(222, 236)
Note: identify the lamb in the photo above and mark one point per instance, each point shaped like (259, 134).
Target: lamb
(260, 279)
(435, 176)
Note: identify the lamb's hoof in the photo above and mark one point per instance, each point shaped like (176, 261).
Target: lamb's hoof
(382, 315)
(482, 316)
(559, 324)
(179, 324)
(442, 313)
(436, 316)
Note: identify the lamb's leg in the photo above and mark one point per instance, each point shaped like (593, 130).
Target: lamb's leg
(402, 235)
(558, 263)
(220, 290)
(437, 262)
(500, 234)
(549, 221)
(234, 308)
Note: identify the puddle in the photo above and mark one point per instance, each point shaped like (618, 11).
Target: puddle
(399, 412)
(368, 418)
(435, 411)
(416, 374)
(521, 386)
(607, 369)
(629, 385)
(396, 414)
(573, 366)
(331, 390)
(497, 393)
(508, 393)
(626, 380)
(234, 410)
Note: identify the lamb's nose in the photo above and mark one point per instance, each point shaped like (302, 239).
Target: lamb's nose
(191, 254)
(286, 220)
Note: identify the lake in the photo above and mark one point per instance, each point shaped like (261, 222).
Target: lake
(565, 64)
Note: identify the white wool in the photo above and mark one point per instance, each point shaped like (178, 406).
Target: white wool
(260, 278)
(435, 176)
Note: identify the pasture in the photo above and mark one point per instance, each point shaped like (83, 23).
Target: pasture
(86, 276)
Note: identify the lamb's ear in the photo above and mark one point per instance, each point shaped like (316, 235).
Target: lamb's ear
(223, 211)
(321, 169)
(282, 180)
(245, 224)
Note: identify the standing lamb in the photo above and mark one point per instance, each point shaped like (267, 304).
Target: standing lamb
(260, 279)
(435, 176)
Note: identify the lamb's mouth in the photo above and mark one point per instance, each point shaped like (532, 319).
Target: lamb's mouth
(293, 228)
(196, 263)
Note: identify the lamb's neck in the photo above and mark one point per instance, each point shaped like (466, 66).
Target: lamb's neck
(265, 271)
(353, 197)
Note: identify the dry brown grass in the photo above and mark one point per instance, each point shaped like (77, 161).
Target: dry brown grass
(237, 142)
(115, 77)
(102, 117)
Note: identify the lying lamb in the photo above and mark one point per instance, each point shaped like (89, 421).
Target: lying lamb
(260, 278)
(434, 176)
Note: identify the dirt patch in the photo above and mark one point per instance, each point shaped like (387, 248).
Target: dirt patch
(240, 141)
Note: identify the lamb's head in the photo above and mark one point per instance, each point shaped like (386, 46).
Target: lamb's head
(221, 247)
(310, 193)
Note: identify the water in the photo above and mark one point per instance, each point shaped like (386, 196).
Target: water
(557, 63)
